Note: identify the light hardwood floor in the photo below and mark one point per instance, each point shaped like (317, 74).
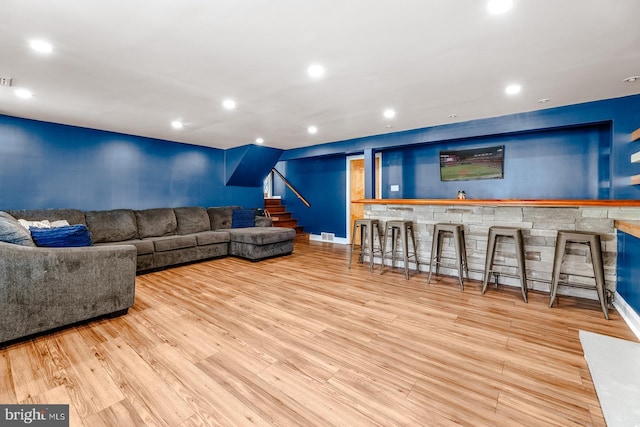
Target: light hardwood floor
(303, 340)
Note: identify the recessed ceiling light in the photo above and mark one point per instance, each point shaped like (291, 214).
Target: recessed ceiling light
(544, 100)
(23, 93)
(315, 70)
(453, 116)
(229, 104)
(177, 124)
(259, 141)
(41, 46)
(389, 113)
(513, 89)
(631, 79)
(312, 129)
(496, 7)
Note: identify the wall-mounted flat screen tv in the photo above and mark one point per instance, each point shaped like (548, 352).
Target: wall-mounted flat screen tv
(476, 163)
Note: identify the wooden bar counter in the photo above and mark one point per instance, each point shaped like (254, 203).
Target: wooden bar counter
(539, 220)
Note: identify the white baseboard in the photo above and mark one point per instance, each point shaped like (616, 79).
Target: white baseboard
(338, 240)
(628, 314)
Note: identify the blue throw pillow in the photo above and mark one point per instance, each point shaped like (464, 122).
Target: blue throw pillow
(60, 237)
(243, 218)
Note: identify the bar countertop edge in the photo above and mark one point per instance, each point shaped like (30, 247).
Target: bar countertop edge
(561, 203)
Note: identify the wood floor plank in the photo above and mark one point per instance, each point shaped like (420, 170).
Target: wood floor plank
(7, 389)
(254, 392)
(305, 340)
(122, 413)
(58, 395)
(152, 398)
(315, 397)
(28, 371)
(213, 403)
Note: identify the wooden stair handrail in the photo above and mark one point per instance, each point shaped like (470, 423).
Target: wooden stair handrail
(291, 187)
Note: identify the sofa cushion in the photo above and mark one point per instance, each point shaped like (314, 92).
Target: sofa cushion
(156, 222)
(221, 217)
(192, 220)
(12, 232)
(212, 237)
(242, 218)
(112, 226)
(143, 247)
(62, 237)
(261, 235)
(170, 243)
(73, 216)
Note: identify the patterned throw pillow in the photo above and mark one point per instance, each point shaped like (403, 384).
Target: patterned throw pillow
(12, 232)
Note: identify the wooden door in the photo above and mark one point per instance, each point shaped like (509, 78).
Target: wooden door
(356, 190)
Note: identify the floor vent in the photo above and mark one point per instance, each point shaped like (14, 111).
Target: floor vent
(327, 236)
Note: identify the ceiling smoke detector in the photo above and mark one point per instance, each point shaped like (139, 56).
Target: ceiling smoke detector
(5, 81)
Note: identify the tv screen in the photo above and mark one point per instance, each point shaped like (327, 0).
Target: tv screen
(476, 163)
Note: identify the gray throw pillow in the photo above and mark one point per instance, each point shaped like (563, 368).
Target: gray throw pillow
(12, 232)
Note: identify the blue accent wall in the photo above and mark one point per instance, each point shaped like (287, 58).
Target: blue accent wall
(322, 182)
(46, 165)
(628, 269)
(552, 164)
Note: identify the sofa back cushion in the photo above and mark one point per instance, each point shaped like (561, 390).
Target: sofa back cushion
(156, 222)
(72, 216)
(192, 220)
(115, 225)
(221, 218)
(12, 232)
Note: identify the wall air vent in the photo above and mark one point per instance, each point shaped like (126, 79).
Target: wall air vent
(327, 236)
(5, 81)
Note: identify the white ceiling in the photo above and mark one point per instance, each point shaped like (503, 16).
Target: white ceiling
(134, 66)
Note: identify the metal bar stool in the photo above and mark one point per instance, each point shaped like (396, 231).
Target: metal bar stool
(457, 231)
(367, 240)
(516, 234)
(592, 240)
(405, 228)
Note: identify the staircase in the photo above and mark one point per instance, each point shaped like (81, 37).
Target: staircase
(280, 216)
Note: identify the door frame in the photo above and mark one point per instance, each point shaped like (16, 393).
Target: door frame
(348, 188)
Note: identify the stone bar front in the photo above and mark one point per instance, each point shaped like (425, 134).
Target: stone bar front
(539, 220)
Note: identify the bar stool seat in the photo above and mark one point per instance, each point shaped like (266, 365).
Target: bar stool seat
(367, 240)
(516, 234)
(405, 230)
(592, 240)
(439, 232)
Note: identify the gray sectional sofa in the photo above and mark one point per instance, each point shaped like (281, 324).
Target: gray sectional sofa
(43, 288)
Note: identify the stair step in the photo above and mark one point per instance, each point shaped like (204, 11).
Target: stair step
(280, 215)
(272, 202)
(286, 223)
(276, 209)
